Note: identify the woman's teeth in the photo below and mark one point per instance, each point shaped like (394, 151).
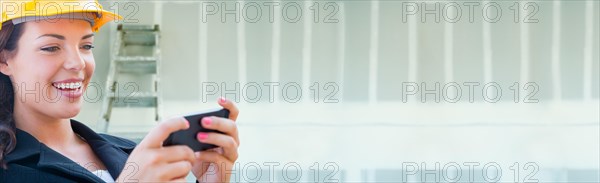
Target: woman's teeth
(63, 86)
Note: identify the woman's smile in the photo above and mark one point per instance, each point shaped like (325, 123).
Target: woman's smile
(71, 88)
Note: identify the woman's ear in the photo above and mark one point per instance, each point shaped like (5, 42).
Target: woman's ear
(5, 68)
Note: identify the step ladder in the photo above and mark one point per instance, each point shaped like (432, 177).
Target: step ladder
(135, 57)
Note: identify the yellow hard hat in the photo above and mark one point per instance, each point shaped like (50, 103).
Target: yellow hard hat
(24, 10)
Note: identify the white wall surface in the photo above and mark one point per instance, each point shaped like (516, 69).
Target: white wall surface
(371, 139)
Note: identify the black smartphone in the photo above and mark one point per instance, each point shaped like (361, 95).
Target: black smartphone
(188, 136)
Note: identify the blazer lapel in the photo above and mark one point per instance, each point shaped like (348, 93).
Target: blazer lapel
(51, 160)
(113, 156)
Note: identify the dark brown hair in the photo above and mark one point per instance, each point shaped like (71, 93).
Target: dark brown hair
(9, 36)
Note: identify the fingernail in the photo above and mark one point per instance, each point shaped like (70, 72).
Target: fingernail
(222, 100)
(206, 121)
(202, 136)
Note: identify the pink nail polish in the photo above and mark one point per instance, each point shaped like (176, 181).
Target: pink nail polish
(222, 100)
(202, 136)
(206, 121)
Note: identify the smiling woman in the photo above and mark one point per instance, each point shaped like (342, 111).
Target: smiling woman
(46, 64)
(59, 53)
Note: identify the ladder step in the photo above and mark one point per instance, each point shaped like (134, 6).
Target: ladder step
(137, 51)
(136, 99)
(136, 64)
(135, 58)
(139, 34)
(139, 38)
(137, 68)
(130, 27)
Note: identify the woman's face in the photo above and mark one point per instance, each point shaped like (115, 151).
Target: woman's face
(52, 67)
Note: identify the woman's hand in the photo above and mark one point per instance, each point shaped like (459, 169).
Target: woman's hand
(213, 165)
(151, 162)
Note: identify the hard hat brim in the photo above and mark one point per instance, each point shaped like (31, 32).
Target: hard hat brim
(102, 16)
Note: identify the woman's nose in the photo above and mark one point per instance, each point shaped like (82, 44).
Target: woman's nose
(74, 61)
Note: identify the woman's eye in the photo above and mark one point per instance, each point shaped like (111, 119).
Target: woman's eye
(51, 49)
(87, 47)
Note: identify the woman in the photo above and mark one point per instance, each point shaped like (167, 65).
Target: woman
(46, 63)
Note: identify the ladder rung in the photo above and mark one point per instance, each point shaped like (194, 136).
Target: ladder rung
(137, 51)
(125, 94)
(137, 67)
(136, 99)
(139, 38)
(134, 58)
(128, 27)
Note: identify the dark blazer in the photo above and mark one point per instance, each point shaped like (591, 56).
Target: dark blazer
(32, 161)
